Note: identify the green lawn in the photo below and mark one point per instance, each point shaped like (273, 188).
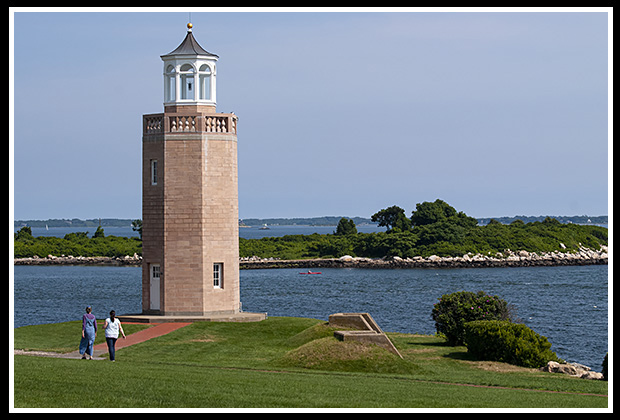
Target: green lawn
(63, 337)
(280, 362)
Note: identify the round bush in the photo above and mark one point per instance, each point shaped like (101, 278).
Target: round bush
(455, 309)
(505, 341)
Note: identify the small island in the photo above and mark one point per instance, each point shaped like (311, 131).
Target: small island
(435, 236)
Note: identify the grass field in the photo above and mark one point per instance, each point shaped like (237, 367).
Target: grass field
(280, 362)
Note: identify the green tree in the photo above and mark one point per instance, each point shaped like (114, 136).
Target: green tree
(442, 231)
(77, 237)
(346, 227)
(550, 221)
(99, 232)
(24, 234)
(136, 226)
(455, 309)
(507, 342)
(393, 218)
(427, 213)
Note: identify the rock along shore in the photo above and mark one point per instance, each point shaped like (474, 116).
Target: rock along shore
(135, 260)
(584, 256)
(509, 258)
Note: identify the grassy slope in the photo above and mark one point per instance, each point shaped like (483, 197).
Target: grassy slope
(281, 362)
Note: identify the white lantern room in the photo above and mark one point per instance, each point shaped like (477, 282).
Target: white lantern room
(189, 74)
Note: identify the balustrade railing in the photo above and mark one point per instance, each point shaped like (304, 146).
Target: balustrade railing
(153, 124)
(162, 123)
(182, 124)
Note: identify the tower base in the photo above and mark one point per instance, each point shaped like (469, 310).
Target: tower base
(160, 319)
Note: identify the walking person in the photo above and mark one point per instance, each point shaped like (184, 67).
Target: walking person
(112, 327)
(89, 333)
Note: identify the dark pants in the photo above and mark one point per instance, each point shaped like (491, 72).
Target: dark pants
(111, 342)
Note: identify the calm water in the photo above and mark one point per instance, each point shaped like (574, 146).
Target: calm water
(246, 232)
(568, 305)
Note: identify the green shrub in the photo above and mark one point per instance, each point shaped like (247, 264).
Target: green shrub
(78, 244)
(24, 234)
(505, 341)
(455, 309)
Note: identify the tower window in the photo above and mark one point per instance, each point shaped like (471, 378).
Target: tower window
(153, 172)
(218, 275)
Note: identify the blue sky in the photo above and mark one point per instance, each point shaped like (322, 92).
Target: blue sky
(497, 113)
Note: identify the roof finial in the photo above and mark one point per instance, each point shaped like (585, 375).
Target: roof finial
(189, 27)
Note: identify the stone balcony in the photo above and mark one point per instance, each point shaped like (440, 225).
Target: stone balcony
(189, 123)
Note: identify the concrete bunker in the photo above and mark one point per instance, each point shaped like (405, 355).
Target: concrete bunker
(366, 330)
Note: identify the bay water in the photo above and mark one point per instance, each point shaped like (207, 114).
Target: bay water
(568, 305)
(251, 232)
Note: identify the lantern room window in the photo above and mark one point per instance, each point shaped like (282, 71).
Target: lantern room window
(204, 78)
(170, 84)
(188, 86)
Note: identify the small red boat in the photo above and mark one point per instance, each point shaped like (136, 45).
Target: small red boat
(311, 272)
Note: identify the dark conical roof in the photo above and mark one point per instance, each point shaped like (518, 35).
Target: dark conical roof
(189, 46)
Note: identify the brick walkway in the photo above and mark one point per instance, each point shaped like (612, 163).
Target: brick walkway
(146, 334)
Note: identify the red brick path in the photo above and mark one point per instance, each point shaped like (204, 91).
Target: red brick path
(155, 331)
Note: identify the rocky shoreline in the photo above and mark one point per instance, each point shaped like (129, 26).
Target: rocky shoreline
(584, 256)
(509, 258)
(131, 261)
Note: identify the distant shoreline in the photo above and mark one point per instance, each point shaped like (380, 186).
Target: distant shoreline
(584, 256)
(309, 221)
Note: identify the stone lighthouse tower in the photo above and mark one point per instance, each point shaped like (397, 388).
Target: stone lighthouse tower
(189, 193)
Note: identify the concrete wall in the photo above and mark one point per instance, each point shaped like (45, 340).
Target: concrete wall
(367, 330)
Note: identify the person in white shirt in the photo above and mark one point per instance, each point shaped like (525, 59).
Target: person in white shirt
(112, 326)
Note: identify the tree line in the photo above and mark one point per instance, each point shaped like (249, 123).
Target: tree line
(77, 244)
(434, 228)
